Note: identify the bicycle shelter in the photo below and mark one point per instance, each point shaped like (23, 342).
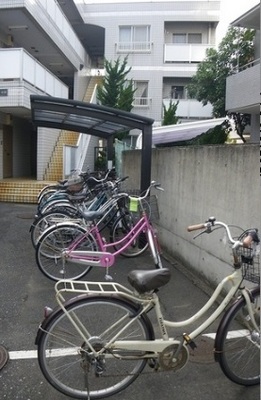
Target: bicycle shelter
(97, 120)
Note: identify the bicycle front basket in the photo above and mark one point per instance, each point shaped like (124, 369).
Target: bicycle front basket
(250, 258)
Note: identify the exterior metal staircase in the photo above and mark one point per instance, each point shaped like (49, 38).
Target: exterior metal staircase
(54, 171)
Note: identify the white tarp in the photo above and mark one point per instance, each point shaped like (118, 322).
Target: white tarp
(180, 132)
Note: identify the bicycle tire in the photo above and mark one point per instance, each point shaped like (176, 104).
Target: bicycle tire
(49, 252)
(121, 227)
(237, 346)
(105, 376)
(43, 222)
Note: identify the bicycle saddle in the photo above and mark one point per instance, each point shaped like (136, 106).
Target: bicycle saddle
(145, 281)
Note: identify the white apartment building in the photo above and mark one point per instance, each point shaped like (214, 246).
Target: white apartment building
(243, 86)
(53, 47)
(41, 54)
(164, 42)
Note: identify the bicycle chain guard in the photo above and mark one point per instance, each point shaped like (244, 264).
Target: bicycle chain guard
(170, 359)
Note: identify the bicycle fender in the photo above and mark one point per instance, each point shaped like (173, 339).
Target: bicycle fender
(61, 224)
(56, 311)
(225, 319)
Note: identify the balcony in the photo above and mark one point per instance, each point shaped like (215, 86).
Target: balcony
(22, 75)
(185, 53)
(243, 89)
(190, 108)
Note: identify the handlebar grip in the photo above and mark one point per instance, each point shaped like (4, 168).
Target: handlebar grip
(247, 241)
(195, 227)
(252, 236)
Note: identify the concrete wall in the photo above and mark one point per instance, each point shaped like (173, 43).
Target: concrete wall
(199, 182)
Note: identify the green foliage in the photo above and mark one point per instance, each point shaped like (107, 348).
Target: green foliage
(116, 90)
(101, 161)
(209, 84)
(169, 114)
(216, 135)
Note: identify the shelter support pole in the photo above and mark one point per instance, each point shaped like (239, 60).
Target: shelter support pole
(145, 178)
(110, 152)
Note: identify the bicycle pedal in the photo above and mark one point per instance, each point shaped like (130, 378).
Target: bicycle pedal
(108, 277)
(154, 364)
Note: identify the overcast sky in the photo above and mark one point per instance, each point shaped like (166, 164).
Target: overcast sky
(231, 10)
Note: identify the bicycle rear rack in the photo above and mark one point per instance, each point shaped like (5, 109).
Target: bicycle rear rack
(70, 287)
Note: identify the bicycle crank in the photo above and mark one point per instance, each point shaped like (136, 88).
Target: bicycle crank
(173, 357)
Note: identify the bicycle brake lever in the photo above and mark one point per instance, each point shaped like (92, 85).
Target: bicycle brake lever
(207, 230)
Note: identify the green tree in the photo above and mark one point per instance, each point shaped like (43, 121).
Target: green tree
(169, 114)
(208, 85)
(216, 135)
(116, 90)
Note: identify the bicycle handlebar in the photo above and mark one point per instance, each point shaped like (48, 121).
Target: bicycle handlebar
(252, 235)
(154, 184)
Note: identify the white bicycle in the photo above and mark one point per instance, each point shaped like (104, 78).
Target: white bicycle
(98, 342)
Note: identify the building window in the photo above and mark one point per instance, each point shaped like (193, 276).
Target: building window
(177, 92)
(194, 38)
(141, 93)
(134, 38)
(187, 38)
(179, 38)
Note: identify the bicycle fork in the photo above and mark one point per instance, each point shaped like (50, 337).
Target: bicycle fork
(250, 316)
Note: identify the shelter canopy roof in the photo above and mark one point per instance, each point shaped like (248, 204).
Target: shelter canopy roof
(97, 120)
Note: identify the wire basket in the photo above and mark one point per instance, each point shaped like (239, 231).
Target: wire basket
(149, 205)
(250, 259)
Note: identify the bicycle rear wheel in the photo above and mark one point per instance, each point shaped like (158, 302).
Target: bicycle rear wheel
(67, 361)
(120, 229)
(238, 343)
(50, 256)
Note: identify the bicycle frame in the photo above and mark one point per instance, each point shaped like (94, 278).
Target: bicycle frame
(148, 302)
(102, 257)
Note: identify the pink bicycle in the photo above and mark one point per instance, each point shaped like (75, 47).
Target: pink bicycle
(69, 250)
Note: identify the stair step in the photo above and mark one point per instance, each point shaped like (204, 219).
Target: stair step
(21, 191)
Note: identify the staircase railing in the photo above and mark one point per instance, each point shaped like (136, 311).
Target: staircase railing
(74, 156)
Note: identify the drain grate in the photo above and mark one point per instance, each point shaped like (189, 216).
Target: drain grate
(26, 216)
(3, 356)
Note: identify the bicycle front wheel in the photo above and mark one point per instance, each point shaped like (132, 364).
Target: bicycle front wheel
(238, 343)
(69, 364)
(50, 256)
(121, 228)
(43, 222)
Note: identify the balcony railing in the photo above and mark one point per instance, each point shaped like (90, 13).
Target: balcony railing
(141, 102)
(186, 53)
(133, 47)
(243, 89)
(191, 108)
(245, 66)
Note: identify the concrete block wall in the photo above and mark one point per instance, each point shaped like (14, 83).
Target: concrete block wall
(199, 182)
